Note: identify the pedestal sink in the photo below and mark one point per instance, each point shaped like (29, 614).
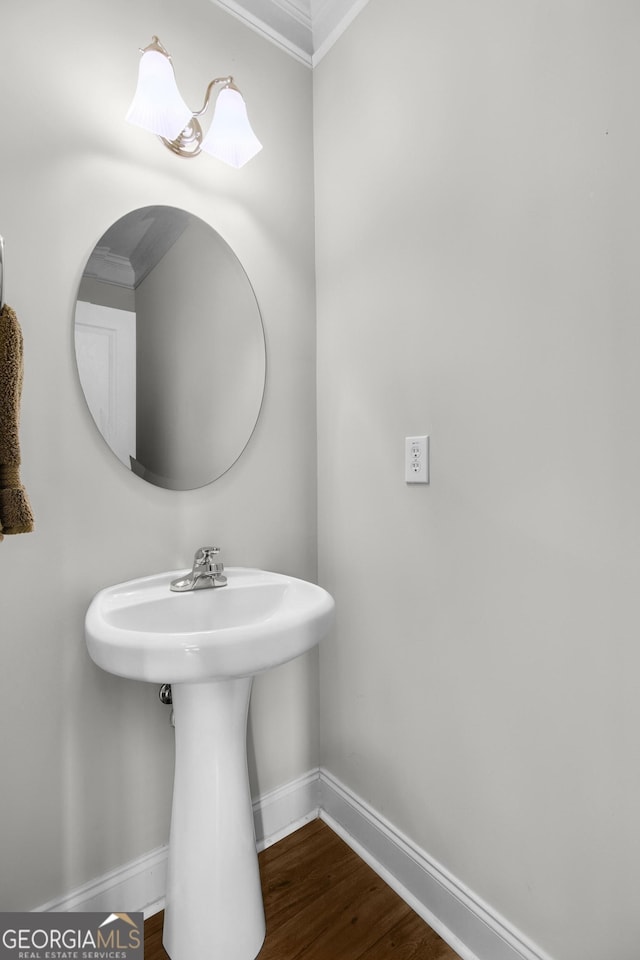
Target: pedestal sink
(209, 644)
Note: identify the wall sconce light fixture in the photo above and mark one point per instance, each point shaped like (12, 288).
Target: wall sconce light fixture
(158, 107)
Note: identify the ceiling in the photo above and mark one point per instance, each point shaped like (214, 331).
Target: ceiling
(304, 28)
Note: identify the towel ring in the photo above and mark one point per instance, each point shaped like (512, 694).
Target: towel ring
(1, 272)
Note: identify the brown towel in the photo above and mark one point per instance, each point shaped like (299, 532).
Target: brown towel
(15, 511)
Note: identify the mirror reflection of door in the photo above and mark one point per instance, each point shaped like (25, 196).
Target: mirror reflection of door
(106, 349)
(179, 402)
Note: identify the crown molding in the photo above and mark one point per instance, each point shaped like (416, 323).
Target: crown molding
(330, 18)
(109, 267)
(305, 29)
(287, 23)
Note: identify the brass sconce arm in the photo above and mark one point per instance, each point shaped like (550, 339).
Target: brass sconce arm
(158, 107)
(228, 83)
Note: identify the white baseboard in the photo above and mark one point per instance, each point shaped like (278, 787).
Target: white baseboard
(469, 926)
(140, 884)
(280, 812)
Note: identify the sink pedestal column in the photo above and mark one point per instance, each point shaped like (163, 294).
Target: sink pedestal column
(214, 903)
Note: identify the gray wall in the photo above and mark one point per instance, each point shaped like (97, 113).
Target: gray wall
(200, 360)
(477, 207)
(86, 758)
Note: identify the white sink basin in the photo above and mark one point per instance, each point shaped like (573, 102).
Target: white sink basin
(208, 644)
(141, 630)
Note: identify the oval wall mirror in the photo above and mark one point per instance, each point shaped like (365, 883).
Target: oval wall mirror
(170, 347)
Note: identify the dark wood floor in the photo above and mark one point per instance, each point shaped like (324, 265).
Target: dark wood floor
(322, 902)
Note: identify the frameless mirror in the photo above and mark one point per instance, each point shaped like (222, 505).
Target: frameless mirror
(170, 347)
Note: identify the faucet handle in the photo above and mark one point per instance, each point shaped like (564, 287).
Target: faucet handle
(206, 564)
(205, 555)
(206, 571)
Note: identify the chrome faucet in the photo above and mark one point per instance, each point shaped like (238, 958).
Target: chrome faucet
(206, 572)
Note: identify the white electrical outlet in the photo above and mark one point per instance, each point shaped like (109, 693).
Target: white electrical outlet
(416, 459)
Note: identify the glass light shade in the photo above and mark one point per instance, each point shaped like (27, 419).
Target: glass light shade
(157, 105)
(230, 137)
